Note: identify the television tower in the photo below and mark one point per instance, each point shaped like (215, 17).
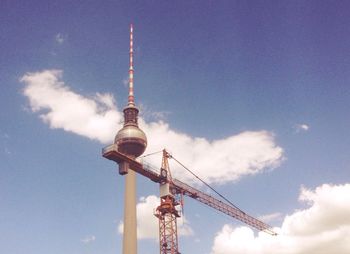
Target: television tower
(132, 142)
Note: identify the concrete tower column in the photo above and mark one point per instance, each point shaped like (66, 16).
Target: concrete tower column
(130, 221)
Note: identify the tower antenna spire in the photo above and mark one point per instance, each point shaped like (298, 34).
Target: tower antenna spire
(131, 99)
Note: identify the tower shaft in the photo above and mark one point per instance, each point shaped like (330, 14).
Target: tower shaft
(130, 220)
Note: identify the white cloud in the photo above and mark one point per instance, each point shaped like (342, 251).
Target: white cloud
(88, 239)
(153, 115)
(270, 217)
(7, 151)
(147, 223)
(96, 118)
(322, 228)
(5, 136)
(125, 81)
(217, 161)
(60, 38)
(302, 127)
(160, 115)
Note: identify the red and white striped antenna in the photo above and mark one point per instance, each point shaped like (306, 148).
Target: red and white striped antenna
(131, 100)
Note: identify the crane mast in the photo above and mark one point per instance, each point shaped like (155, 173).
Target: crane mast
(167, 212)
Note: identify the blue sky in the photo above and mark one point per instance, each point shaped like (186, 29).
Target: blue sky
(268, 79)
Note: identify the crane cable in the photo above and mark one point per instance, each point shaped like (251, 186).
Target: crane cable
(149, 154)
(206, 184)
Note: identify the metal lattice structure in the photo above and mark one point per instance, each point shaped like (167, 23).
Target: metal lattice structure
(167, 215)
(167, 212)
(219, 205)
(169, 189)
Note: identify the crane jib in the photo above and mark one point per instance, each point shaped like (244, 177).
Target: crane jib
(111, 152)
(221, 206)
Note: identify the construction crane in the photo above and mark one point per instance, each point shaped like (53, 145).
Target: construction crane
(170, 188)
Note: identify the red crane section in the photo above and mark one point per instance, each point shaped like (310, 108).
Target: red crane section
(167, 212)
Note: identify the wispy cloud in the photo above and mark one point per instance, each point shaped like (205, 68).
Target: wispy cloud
(270, 217)
(88, 239)
(302, 127)
(125, 81)
(60, 38)
(4, 137)
(7, 151)
(98, 118)
(323, 227)
(151, 115)
(160, 115)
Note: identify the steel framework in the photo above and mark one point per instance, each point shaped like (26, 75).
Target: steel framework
(167, 212)
(167, 215)
(170, 189)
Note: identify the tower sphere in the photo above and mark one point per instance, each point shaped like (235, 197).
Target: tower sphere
(131, 140)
